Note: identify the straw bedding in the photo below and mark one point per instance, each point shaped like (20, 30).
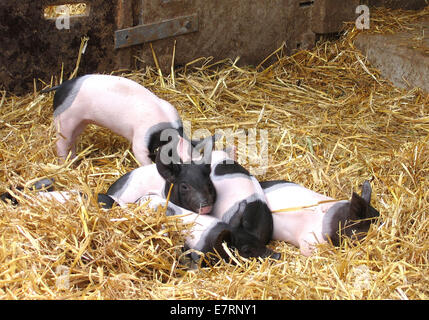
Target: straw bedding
(332, 122)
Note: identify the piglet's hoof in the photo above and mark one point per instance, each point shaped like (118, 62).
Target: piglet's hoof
(8, 198)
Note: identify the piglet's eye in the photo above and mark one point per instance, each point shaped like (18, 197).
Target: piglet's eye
(246, 250)
(184, 187)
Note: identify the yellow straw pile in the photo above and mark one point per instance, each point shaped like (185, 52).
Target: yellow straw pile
(332, 123)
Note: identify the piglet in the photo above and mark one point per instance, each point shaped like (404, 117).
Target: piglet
(45, 191)
(208, 233)
(117, 103)
(192, 187)
(305, 218)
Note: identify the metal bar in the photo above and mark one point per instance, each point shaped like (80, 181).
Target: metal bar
(155, 31)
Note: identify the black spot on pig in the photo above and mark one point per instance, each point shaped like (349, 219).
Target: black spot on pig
(119, 184)
(44, 184)
(247, 245)
(222, 169)
(268, 184)
(64, 91)
(253, 218)
(154, 138)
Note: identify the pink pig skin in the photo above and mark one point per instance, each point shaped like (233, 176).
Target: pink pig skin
(117, 103)
(301, 227)
(144, 181)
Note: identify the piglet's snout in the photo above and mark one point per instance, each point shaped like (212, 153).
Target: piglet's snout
(271, 254)
(205, 204)
(205, 209)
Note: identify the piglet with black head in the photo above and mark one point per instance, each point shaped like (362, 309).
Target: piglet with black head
(192, 187)
(350, 218)
(247, 244)
(113, 102)
(305, 218)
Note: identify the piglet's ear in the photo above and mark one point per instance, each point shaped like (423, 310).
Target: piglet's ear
(105, 201)
(168, 171)
(366, 191)
(358, 207)
(184, 150)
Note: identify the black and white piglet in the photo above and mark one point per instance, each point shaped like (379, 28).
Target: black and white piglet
(45, 190)
(192, 187)
(207, 233)
(305, 218)
(117, 103)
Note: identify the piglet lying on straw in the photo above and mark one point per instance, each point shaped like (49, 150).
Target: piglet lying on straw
(208, 233)
(304, 218)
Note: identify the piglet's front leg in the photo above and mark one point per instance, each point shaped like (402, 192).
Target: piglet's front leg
(68, 130)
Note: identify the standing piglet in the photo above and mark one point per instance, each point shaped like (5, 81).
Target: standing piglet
(240, 198)
(305, 218)
(117, 103)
